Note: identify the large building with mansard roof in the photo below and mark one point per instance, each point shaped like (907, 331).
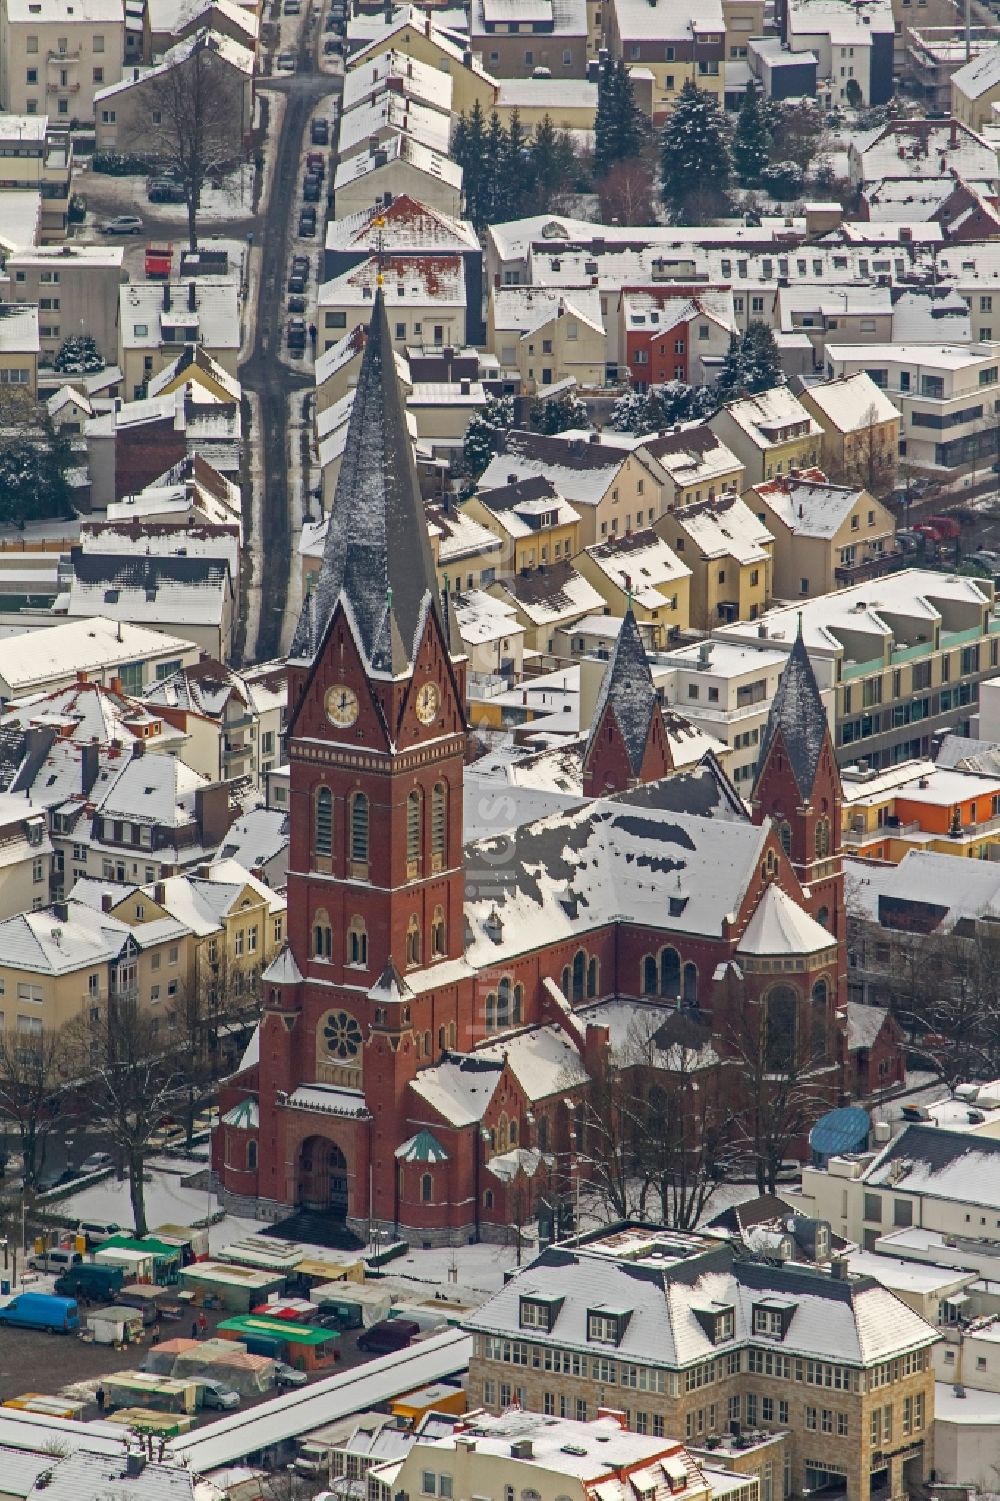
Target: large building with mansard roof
(438, 1005)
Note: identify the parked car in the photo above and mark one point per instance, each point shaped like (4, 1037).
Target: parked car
(311, 189)
(122, 224)
(296, 333)
(95, 1161)
(388, 1335)
(97, 1231)
(301, 263)
(332, 44)
(307, 223)
(165, 190)
(297, 282)
(285, 62)
(331, 23)
(53, 1177)
(296, 304)
(41, 1311)
(292, 8)
(54, 1260)
(315, 162)
(319, 131)
(946, 526)
(214, 1394)
(287, 1375)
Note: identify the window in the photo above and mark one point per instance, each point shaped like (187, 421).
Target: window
(359, 829)
(357, 942)
(324, 822)
(426, 1190)
(412, 943)
(439, 806)
(902, 1213)
(322, 936)
(438, 945)
(413, 820)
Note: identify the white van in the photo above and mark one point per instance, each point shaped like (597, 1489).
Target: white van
(54, 1260)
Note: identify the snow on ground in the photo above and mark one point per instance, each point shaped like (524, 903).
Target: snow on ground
(479, 1267)
(168, 1202)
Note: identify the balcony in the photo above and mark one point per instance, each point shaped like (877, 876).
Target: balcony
(871, 568)
(856, 838)
(55, 56)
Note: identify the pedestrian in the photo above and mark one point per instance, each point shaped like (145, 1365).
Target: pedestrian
(194, 1328)
(202, 1324)
(99, 1398)
(313, 335)
(154, 1334)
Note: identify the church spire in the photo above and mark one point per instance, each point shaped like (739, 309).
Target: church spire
(798, 715)
(377, 556)
(626, 718)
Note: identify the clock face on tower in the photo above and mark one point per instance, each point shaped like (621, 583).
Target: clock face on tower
(428, 700)
(341, 705)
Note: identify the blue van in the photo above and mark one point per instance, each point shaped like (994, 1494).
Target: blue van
(41, 1311)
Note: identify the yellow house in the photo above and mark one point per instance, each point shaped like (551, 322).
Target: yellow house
(691, 464)
(238, 924)
(676, 45)
(770, 434)
(19, 347)
(860, 431)
(533, 523)
(195, 366)
(976, 88)
(547, 335)
(609, 487)
(825, 536)
(640, 568)
(548, 599)
(466, 554)
(420, 38)
(729, 552)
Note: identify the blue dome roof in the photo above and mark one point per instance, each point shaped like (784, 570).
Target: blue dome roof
(844, 1130)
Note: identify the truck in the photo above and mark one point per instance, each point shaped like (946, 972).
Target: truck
(388, 1336)
(159, 259)
(90, 1280)
(41, 1311)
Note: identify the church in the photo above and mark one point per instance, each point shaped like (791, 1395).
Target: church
(439, 1007)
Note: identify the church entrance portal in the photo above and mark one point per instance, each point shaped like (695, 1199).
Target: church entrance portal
(323, 1177)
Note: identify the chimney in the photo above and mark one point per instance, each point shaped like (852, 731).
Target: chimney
(159, 893)
(166, 297)
(467, 58)
(954, 134)
(593, 437)
(372, 145)
(60, 911)
(464, 388)
(211, 811)
(105, 901)
(90, 756)
(192, 297)
(138, 749)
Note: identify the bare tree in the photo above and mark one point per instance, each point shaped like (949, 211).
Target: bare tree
(197, 127)
(872, 464)
(206, 1013)
(31, 1092)
(132, 1076)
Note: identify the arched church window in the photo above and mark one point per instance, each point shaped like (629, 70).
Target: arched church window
(579, 974)
(322, 935)
(785, 835)
(670, 974)
(649, 976)
(780, 1028)
(324, 822)
(357, 943)
(359, 828)
(439, 826)
(412, 943)
(592, 977)
(689, 987)
(438, 934)
(426, 1188)
(414, 810)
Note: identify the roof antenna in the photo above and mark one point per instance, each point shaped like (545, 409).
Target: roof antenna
(799, 632)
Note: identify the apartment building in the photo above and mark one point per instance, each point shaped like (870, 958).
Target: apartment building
(98, 649)
(426, 299)
(825, 535)
(534, 523)
(670, 335)
(25, 857)
(20, 346)
(902, 656)
(55, 57)
(75, 288)
(156, 321)
(485, 1455)
(542, 336)
(513, 40)
(917, 805)
(770, 434)
(730, 555)
(946, 395)
(860, 430)
(690, 1338)
(128, 110)
(547, 600)
(606, 483)
(673, 41)
(233, 720)
(38, 156)
(640, 571)
(853, 45)
(690, 464)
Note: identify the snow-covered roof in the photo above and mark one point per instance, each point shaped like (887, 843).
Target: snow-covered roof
(234, 53)
(780, 927)
(39, 657)
(581, 471)
(399, 148)
(948, 1165)
(638, 564)
(542, 1059)
(558, 594)
(404, 225)
(19, 328)
(723, 528)
(389, 112)
(770, 414)
(808, 504)
(853, 402)
(980, 75)
(638, 21)
(405, 279)
(459, 1087)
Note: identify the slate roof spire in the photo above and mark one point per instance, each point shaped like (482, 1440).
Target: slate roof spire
(377, 555)
(628, 688)
(797, 712)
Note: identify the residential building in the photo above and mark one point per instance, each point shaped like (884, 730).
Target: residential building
(548, 599)
(156, 321)
(534, 523)
(491, 635)
(407, 77)
(193, 595)
(730, 555)
(97, 650)
(607, 485)
(133, 445)
(75, 288)
(770, 434)
(25, 857)
(944, 395)
(55, 58)
(38, 156)
(918, 149)
(399, 167)
(639, 571)
(689, 1337)
(388, 115)
(849, 315)
(903, 658)
(427, 300)
(20, 346)
(852, 44)
(689, 464)
(542, 336)
(669, 335)
(165, 22)
(570, 103)
(825, 535)
(780, 72)
(233, 722)
(860, 430)
(483, 1453)
(917, 805)
(550, 34)
(975, 89)
(673, 43)
(417, 34)
(129, 111)
(194, 370)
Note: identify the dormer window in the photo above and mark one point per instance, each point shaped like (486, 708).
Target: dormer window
(772, 1318)
(718, 1321)
(606, 1326)
(539, 1312)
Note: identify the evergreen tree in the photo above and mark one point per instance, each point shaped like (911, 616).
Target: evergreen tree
(635, 412)
(679, 402)
(558, 414)
(695, 162)
(752, 140)
(515, 169)
(493, 198)
(480, 442)
(553, 162)
(469, 151)
(752, 364)
(78, 355)
(618, 126)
